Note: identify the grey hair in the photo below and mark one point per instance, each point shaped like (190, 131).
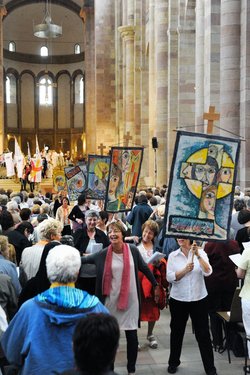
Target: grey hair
(45, 208)
(63, 264)
(91, 213)
(12, 206)
(3, 199)
(48, 228)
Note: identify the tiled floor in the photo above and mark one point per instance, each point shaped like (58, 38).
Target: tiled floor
(154, 361)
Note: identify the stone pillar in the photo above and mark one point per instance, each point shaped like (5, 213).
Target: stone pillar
(212, 57)
(186, 64)
(173, 79)
(230, 68)
(230, 65)
(150, 34)
(89, 132)
(161, 54)
(2, 14)
(118, 74)
(127, 34)
(199, 67)
(245, 94)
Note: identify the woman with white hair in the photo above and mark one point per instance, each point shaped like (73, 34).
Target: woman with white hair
(51, 316)
(12, 207)
(50, 230)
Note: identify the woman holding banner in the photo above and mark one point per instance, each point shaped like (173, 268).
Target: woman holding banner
(186, 269)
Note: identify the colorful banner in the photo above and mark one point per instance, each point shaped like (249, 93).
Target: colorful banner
(201, 187)
(75, 178)
(97, 176)
(59, 180)
(125, 166)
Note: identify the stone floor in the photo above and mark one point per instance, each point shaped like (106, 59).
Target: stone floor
(154, 361)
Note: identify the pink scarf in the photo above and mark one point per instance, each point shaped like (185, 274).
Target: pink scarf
(107, 277)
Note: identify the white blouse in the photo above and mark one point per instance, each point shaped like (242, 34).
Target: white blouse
(146, 254)
(127, 319)
(192, 286)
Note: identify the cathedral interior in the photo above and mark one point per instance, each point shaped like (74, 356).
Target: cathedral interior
(141, 69)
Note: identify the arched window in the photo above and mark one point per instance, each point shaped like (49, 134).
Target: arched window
(79, 90)
(44, 51)
(81, 94)
(10, 87)
(12, 46)
(77, 49)
(7, 90)
(45, 91)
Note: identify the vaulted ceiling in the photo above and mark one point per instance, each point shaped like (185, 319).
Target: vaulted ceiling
(23, 14)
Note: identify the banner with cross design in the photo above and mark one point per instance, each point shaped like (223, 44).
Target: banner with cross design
(201, 186)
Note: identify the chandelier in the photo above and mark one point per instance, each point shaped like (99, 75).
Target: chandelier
(47, 29)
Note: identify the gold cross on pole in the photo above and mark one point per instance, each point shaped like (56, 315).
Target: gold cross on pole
(101, 147)
(62, 141)
(127, 137)
(211, 116)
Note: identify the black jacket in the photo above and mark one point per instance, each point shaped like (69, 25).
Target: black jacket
(81, 239)
(76, 213)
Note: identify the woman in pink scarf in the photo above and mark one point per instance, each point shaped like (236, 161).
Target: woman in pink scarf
(117, 285)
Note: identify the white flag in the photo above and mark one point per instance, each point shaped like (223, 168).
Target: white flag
(29, 154)
(36, 172)
(19, 159)
(9, 162)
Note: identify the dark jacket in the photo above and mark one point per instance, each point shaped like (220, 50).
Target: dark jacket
(243, 235)
(19, 241)
(76, 213)
(81, 239)
(99, 260)
(223, 278)
(139, 214)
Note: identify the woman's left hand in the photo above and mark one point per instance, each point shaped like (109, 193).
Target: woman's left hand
(157, 293)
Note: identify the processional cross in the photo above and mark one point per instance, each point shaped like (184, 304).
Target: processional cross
(211, 116)
(62, 141)
(101, 147)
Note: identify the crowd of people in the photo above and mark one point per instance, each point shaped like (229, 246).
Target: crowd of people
(70, 271)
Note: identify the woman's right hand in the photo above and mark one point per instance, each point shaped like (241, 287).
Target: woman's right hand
(189, 267)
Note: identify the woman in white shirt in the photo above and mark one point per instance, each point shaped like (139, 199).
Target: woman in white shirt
(186, 269)
(243, 272)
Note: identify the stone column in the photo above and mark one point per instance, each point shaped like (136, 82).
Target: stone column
(199, 66)
(89, 134)
(230, 65)
(230, 68)
(127, 34)
(212, 56)
(150, 34)
(245, 94)
(161, 54)
(2, 14)
(186, 63)
(118, 74)
(173, 78)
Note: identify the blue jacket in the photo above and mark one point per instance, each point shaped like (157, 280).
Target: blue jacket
(39, 338)
(139, 214)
